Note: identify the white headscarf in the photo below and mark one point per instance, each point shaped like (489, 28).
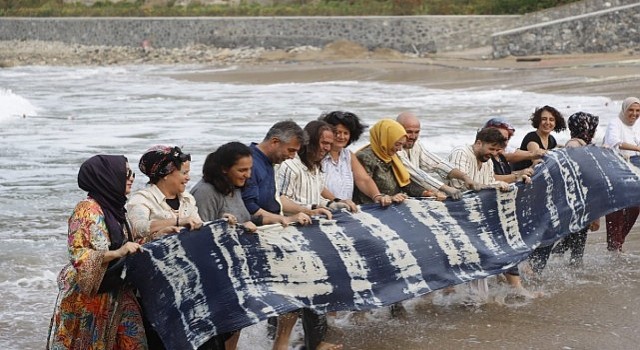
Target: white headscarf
(626, 104)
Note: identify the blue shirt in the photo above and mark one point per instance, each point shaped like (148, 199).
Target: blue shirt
(260, 190)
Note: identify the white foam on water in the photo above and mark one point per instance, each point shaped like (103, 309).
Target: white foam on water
(15, 106)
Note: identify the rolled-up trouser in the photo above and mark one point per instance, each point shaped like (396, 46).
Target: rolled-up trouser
(315, 328)
(619, 223)
(539, 258)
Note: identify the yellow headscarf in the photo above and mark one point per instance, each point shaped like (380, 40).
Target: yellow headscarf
(383, 136)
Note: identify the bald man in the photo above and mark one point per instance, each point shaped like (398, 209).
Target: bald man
(421, 163)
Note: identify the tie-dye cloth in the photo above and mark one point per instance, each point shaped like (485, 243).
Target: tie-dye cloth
(198, 284)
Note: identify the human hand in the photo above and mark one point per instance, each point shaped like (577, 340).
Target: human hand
(321, 212)
(300, 218)
(383, 200)
(344, 204)
(249, 227)
(399, 197)
(503, 186)
(452, 192)
(539, 153)
(128, 248)
(472, 185)
(595, 225)
(441, 196)
(230, 218)
(527, 171)
(190, 223)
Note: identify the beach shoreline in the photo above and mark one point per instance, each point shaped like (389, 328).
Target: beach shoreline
(614, 75)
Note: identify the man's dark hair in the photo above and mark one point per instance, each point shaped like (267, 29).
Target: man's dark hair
(313, 130)
(536, 118)
(286, 131)
(349, 120)
(491, 135)
(213, 170)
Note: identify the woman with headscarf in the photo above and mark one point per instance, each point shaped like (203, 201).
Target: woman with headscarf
(95, 309)
(623, 136)
(163, 207)
(582, 127)
(381, 162)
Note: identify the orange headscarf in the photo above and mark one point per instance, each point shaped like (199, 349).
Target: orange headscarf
(383, 136)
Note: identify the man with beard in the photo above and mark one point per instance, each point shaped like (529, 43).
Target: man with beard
(473, 160)
(424, 165)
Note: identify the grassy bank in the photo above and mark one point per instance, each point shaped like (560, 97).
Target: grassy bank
(54, 8)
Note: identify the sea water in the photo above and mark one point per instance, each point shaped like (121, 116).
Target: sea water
(53, 118)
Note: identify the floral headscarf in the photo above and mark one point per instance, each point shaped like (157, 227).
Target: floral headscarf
(160, 161)
(583, 126)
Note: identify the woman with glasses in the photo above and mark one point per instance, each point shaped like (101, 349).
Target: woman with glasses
(342, 169)
(94, 309)
(163, 207)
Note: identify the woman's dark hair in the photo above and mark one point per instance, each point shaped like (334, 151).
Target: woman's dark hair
(349, 120)
(536, 118)
(220, 161)
(313, 131)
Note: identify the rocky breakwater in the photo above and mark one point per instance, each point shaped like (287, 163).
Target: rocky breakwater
(21, 53)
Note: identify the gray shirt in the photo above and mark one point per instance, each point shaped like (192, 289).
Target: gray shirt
(213, 204)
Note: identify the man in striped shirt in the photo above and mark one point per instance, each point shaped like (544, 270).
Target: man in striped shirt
(426, 168)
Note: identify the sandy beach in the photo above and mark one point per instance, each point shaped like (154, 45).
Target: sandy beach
(615, 75)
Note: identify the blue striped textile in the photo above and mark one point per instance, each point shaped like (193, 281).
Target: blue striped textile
(195, 285)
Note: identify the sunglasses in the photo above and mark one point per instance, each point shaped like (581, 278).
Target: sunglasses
(131, 174)
(176, 154)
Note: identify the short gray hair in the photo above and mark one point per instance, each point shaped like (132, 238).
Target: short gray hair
(286, 131)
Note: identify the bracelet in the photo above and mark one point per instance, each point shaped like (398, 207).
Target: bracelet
(337, 200)
(178, 220)
(376, 196)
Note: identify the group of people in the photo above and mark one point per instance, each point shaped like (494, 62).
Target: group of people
(292, 176)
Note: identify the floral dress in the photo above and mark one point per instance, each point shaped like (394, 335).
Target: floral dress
(82, 318)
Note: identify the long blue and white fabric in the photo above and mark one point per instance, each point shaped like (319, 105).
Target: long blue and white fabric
(195, 285)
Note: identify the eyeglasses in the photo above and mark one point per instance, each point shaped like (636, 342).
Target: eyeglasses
(131, 174)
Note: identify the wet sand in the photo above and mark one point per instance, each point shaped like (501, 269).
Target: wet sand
(613, 75)
(596, 307)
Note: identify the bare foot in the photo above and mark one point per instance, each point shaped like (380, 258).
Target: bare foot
(521, 291)
(329, 346)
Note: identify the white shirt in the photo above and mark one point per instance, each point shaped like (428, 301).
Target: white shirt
(425, 168)
(619, 132)
(300, 184)
(464, 159)
(339, 175)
